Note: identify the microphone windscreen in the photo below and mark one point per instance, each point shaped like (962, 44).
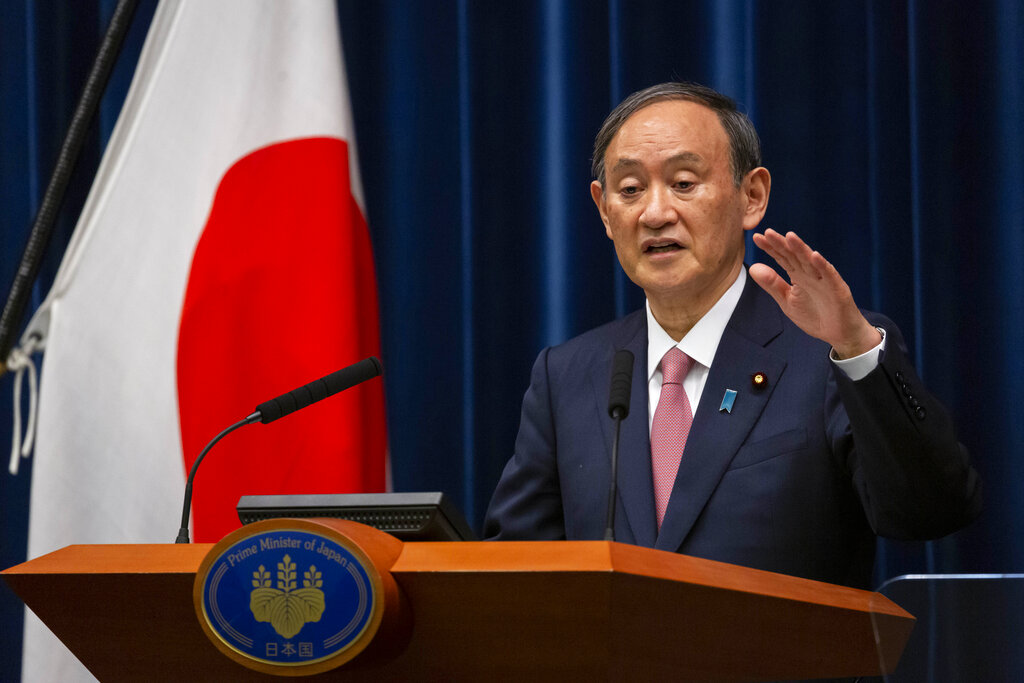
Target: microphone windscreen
(622, 381)
(317, 390)
(351, 376)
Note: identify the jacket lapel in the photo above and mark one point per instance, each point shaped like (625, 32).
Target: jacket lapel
(716, 435)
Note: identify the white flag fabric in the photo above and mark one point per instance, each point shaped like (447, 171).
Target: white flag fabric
(205, 276)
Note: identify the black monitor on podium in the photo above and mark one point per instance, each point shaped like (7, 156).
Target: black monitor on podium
(407, 516)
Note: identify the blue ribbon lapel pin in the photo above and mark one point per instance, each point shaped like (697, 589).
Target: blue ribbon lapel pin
(727, 401)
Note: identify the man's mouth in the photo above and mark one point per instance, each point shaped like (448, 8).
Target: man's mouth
(662, 248)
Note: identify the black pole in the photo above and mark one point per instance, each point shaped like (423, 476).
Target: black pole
(42, 228)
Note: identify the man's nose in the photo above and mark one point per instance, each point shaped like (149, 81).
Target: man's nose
(659, 210)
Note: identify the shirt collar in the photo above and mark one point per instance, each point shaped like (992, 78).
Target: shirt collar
(701, 342)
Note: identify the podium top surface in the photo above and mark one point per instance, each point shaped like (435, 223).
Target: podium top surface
(491, 557)
(122, 558)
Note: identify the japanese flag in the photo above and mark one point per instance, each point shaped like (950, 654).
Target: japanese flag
(222, 258)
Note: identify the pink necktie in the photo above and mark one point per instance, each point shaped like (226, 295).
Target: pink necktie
(671, 426)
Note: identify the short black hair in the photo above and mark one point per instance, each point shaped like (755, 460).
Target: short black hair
(744, 144)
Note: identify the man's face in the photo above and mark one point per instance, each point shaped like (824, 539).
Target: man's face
(671, 205)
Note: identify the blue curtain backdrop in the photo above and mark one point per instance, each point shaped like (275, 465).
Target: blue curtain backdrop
(894, 131)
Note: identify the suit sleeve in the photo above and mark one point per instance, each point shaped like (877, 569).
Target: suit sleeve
(527, 503)
(914, 478)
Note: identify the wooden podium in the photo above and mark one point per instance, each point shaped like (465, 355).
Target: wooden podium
(537, 611)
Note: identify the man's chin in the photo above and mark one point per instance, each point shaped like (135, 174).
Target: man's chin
(671, 290)
(667, 277)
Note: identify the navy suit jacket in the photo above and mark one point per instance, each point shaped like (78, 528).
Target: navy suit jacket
(797, 479)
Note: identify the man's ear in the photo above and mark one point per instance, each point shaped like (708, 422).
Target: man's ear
(597, 194)
(756, 188)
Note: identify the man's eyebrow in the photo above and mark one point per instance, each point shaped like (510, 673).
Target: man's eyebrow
(626, 162)
(686, 156)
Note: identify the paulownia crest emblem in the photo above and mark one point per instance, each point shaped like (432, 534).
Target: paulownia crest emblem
(286, 607)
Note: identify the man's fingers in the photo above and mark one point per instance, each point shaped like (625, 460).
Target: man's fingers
(773, 244)
(788, 250)
(770, 282)
(821, 269)
(800, 262)
(800, 254)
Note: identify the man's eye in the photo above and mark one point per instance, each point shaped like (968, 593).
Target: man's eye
(630, 190)
(684, 185)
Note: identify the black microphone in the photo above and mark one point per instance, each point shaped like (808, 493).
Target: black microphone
(297, 399)
(618, 410)
(285, 404)
(622, 382)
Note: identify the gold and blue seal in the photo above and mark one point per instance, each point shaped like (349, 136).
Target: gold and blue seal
(289, 596)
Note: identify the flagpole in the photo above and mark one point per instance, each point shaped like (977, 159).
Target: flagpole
(53, 198)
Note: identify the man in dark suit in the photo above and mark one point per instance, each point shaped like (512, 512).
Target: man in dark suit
(788, 427)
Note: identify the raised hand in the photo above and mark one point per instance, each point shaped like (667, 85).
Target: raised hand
(818, 301)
